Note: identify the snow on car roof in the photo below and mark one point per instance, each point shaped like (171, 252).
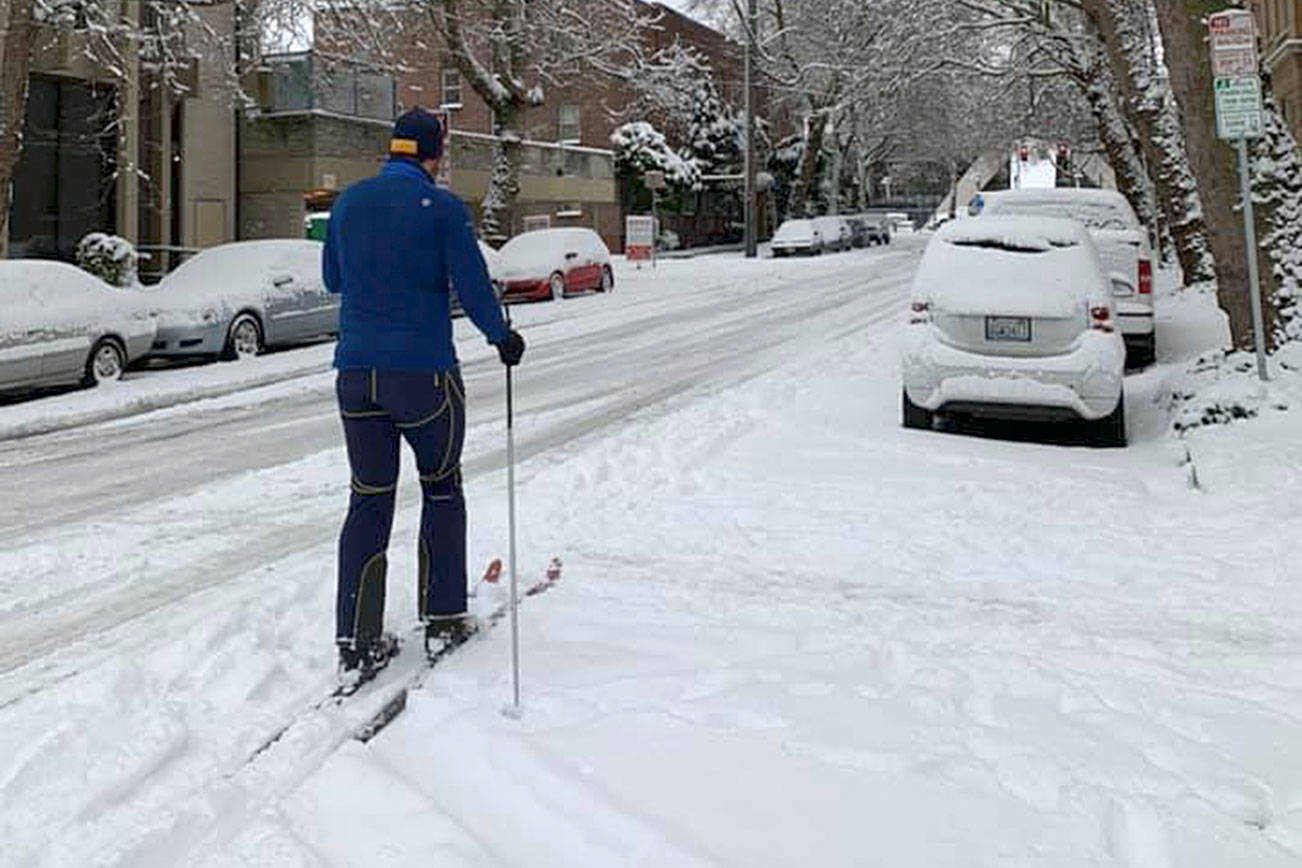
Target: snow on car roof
(29, 297)
(1096, 209)
(980, 265)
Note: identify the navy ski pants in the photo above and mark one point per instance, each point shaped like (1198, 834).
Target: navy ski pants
(428, 410)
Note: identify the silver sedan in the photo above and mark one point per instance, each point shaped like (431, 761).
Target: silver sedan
(60, 325)
(234, 300)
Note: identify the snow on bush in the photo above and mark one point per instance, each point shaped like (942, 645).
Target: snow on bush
(111, 258)
(640, 147)
(1223, 387)
(668, 240)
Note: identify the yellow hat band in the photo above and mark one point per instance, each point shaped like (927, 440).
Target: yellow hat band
(403, 146)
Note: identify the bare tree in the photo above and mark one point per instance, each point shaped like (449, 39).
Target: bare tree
(1127, 31)
(14, 66)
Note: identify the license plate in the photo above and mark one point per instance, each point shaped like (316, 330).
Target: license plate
(1008, 328)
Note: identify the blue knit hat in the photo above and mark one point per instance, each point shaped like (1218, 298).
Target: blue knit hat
(417, 134)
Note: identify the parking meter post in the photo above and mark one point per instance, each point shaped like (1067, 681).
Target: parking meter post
(1254, 282)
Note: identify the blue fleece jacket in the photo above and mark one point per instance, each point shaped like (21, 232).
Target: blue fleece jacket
(395, 245)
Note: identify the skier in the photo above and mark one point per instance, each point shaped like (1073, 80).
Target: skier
(396, 245)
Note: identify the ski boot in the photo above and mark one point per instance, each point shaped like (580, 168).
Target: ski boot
(360, 662)
(445, 632)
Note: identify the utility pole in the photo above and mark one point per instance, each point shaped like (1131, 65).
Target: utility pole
(749, 207)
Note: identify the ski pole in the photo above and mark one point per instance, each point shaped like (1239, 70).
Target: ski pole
(512, 710)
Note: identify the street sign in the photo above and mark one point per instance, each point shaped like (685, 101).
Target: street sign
(1238, 108)
(1233, 36)
(1236, 86)
(639, 238)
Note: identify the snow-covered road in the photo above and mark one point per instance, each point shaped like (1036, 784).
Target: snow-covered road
(790, 632)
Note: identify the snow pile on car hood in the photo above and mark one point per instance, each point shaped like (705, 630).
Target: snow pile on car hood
(1041, 267)
(24, 308)
(236, 275)
(795, 230)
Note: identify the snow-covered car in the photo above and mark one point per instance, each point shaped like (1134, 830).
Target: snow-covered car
(234, 300)
(835, 231)
(1014, 317)
(493, 261)
(1122, 243)
(60, 325)
(797, 236)
(878, 228)
(553, 263)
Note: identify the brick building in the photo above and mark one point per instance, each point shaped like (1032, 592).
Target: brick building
(1279, 24)
(582, 114)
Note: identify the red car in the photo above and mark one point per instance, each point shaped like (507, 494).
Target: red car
(553, 263)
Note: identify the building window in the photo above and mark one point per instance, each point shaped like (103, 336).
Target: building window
(568, 125)
(451, 88)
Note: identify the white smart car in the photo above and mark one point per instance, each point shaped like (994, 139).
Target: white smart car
(1014, 317)
(1123, 246)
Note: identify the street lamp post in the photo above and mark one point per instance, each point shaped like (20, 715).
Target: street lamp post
(749, 205)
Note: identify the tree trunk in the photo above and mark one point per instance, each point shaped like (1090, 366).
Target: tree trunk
(1214, 163)
(15, 59)
(1122, 148)
(815, 127)
(1149, 107)
(495, 216)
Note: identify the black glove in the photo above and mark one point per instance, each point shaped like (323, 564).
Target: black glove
(510, 348)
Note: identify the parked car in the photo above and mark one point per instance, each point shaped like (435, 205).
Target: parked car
(836, 232)
(493, 261)
(1122, 243)
(1014, 317)
(553, 263)
(859, 236)
(797, 236)
(60, 325)
(235, 300)
(879, 228)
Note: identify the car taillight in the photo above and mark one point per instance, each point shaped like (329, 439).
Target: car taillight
(1145, 277)
(920, 312)
(1101, 318)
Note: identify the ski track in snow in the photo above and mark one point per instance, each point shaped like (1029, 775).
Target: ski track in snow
(789, 631)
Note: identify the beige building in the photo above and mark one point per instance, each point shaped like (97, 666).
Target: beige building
(115, 151)
(321, 125)
(1279, 23)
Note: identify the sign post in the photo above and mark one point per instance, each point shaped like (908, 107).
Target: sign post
(655, 182)
(1237, 91)
(444, 178)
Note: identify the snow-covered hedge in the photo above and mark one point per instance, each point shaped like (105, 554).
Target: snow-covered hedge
(111, 258)
(640, 147)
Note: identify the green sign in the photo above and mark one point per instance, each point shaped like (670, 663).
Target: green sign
(1238, 107)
